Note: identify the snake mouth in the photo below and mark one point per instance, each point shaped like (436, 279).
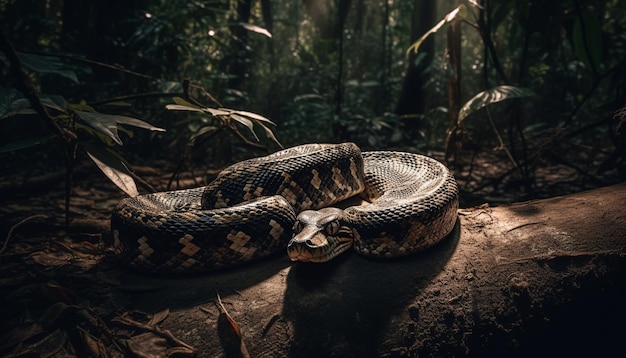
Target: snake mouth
(319, 255)
(318, 248)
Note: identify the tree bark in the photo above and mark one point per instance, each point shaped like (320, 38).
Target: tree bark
(413, 98)
(541, 278)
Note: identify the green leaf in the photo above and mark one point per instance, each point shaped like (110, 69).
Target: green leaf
(54, 101)
(120, 104)
(587, 39)
(184, 102)
(255, 28)
(105, 138)
(448, 18)
(182, 107)
(270, 134)
(12, 103)
(113, 167)
(47, 64)
(107, 123)
(218, 112)
(491, 96)
(246, 122)
(255, 116)
(22, 144)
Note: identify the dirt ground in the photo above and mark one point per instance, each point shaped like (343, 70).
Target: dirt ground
(537, 278)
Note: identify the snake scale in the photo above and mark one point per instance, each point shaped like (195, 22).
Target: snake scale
(258, 207)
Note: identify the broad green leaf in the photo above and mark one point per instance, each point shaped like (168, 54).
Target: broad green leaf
(587, 39)
(270, 134)
(113, 167)
(81, 106)
(182, 107)
(255, 28)
(107, 123)
(119, 104)
(449, 17)
(105, 138)
(491, 96)
(258, 117)
(47, 64)
(218, 112)
(22, 144)
(54, 101)
(184, 102)
(12, 103)
(246, 122)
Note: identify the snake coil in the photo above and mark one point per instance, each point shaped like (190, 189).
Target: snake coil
(248, 211)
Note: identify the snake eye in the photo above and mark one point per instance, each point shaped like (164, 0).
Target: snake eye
(297, 226)
(332, 227)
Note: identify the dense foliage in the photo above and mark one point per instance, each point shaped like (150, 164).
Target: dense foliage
(331, 70)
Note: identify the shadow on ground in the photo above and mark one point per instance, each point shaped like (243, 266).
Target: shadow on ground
(345, 307)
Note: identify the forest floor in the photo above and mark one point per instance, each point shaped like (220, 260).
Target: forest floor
(63, 293)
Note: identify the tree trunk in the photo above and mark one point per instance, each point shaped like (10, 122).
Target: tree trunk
(236, 65)
(539, 278)
(413, 98)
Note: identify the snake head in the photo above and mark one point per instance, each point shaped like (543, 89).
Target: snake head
(319, 236)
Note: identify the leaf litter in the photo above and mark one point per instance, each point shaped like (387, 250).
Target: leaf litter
(60, 288)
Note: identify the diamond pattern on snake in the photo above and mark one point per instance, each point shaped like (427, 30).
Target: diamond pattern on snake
(287, 201)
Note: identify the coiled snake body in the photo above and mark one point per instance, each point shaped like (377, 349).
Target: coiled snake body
(250, 210)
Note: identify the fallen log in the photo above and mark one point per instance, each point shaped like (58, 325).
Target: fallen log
(539, 278)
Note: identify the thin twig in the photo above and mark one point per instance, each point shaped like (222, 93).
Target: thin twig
(10, 233)
(502, 145)
(136, 96)
(115, 67)
(204, 92)
(187, 154)
(161, 332)
(523, 225)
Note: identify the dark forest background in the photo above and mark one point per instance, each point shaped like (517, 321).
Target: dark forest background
(522, 99)
(515, 86)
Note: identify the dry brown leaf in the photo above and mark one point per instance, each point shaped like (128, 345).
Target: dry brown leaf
(138, 347)
(230, 333)
(156, 331)
(19, 334)
(158, 317)
(53, 292)
(151, 345)
(47, 259)
(48, 346)
(54, 316)
(94, 346)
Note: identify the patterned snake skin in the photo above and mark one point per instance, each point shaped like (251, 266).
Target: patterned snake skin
(248, 211)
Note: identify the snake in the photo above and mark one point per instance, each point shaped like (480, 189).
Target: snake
(293, 199)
